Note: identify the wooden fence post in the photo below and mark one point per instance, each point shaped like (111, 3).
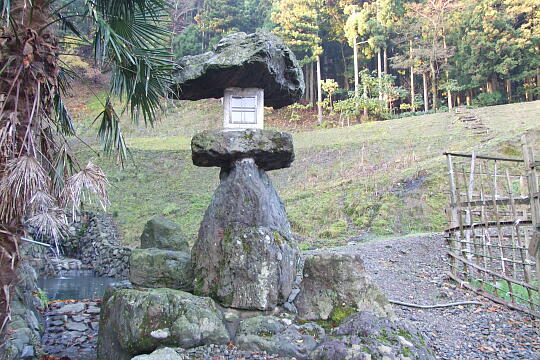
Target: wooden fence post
(534, 195)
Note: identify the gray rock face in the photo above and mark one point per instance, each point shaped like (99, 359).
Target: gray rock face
(161, 233)
(120, 285)
(269, 148)
(365, 336)
(157, 268)
(139, 321)
(275, 336)
(334, 285)
(259, 60)
(161, 354)
(245, 256)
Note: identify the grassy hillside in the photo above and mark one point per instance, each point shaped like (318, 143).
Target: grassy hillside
(367, 180)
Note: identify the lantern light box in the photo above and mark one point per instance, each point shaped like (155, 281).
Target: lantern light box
(244, 108)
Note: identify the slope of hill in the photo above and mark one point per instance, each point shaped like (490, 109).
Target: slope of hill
(351, 183)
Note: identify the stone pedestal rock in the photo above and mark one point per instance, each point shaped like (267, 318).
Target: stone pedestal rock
(245, 255)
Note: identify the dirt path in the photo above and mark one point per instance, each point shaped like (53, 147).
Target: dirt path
(412, 269)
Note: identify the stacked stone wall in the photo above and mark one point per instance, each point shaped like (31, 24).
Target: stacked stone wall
(99, 248)
(23, 331)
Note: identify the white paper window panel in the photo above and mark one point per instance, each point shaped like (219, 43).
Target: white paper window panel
(243, 102)
(243, 116)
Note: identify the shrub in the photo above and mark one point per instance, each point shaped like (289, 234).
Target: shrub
(488, 99)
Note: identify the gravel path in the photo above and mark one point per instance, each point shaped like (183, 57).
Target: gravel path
(412, 269)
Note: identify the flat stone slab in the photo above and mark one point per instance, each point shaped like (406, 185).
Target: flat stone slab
(269, 148)
(259, 60)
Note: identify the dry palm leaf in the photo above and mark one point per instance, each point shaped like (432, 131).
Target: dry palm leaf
(80, 186)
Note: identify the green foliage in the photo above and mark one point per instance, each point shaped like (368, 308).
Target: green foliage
(488, 99)
(298, 24)
(341, 313)
(42, 297)
(376, 108)
(188, 42)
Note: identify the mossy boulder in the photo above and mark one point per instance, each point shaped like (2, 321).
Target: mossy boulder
(156, 268)
(270, 149)
(364, 335)
(162, 233)
(134, 322)
(278, 336)
(335, 285)
(259, 60)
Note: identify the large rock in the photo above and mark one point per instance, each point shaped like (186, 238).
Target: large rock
(245, 255)
(278, 336)
(269, 148)
(161, 354)
(366, 336)
(259, 60)
(161, 233)
(137, 322)
(334, 285)
(157, 268)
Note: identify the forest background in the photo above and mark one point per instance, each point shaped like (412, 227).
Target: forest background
(380, 58)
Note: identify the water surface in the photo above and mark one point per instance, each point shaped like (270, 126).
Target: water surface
(75, 285)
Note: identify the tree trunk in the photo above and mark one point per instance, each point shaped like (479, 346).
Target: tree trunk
(448, 91)
(28, 81)
(345, 80)
(385, 61)
(412, 77)
(379, 72)
(491, 84)
(306, 79)
(434, 89)
(508, 90)
(469, 96)
(538, 80)
(356, 80)
(319, 91)
(365, 97)
(312, 84)
(426, 99)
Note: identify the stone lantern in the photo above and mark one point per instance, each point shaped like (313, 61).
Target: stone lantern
(245, 255)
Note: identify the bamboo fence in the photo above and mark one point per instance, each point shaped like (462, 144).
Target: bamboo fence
(494, 227)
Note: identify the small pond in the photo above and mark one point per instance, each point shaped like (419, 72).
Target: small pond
(75, 285)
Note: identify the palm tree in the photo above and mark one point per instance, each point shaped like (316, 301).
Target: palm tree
(39, 177)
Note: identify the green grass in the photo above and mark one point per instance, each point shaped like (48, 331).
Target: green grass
(372, 180)
(501, 289)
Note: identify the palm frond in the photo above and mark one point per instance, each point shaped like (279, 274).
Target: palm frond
(80, 186)
(137, 47)
(23, 177)
(64, 165)
(110, 132)
(51, 225)
(62, 119)
(41, 202)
